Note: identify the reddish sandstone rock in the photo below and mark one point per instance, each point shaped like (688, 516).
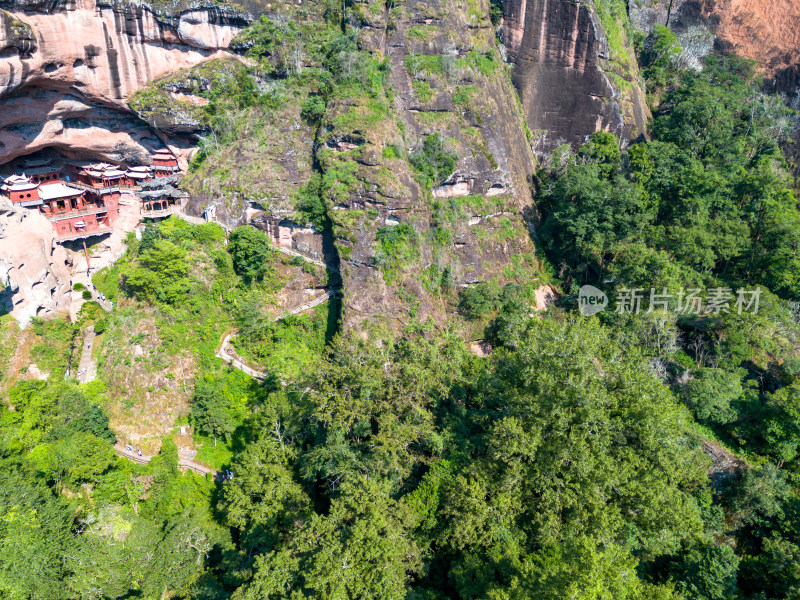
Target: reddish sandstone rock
(34, 269)
(765, 30)
(560, 57)
(66, 75)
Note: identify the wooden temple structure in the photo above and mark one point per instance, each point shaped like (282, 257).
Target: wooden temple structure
(164, 163)
(81, 198)
(159, 198)
(75, 213)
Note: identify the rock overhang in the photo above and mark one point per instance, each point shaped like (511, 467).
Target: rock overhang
(67, 70)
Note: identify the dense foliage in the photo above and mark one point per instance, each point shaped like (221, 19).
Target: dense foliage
(649, 455)
(707, 205)
(708, 201)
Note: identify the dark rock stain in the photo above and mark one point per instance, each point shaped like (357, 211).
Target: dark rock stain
(113, 65)
(555, 50)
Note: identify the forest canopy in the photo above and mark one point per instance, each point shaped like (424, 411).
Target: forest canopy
(620, 456)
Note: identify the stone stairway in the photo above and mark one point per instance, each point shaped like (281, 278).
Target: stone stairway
(308, 259)
(226, 352)
(87, 368)
(304, 307)
(183, 462)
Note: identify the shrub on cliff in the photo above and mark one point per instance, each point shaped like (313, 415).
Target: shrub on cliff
(398, 246)
(313, 109)
(252, 254)
(659, 50)
(480, 300)
(161, 275)
(433, 161)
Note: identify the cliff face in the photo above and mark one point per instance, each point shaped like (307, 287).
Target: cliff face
(484, 205)
(445, 76)
(766, 31)
(35, 278)
(66, 72)
(563, 74)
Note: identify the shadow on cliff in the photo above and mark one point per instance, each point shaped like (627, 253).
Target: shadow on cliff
(333, 264)
(6, 301)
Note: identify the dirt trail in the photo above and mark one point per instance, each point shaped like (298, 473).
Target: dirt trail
(184, 461)
(87, 369)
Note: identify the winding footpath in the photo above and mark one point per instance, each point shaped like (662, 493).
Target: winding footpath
(226, 352)
(308, 259)
(87, 368)
(183, 462)
(229, 355)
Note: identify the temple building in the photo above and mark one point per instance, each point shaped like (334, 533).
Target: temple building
(81, 199)
(75, 213)
(21, 191)
(159, 202)
(33, 163)
(44, 174)
(164, 164)
(139, 174)
(101, 178)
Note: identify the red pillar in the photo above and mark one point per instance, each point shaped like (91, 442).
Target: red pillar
(88, 265)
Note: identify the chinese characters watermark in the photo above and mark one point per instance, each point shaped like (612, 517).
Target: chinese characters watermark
(692, 301)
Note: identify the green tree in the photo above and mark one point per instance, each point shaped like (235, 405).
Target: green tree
(758, 496)
(262, 500)
(603, 150)
(708, 572)
(659, 50)
(783, 422)
(35, 535)
(372, 413)
(210, 412)
(177, 560)
(252, 254)
(477, 301)
(567, 447)
(82, 457)
(588, 215)
(150, 235)
(581, 569)
(710, 394)
(161, 275)
(313, 109)
(775, 570)
(77, 415)
(362, 549)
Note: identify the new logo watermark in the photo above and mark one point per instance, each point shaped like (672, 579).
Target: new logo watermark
(591, 300)
(691, 301)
